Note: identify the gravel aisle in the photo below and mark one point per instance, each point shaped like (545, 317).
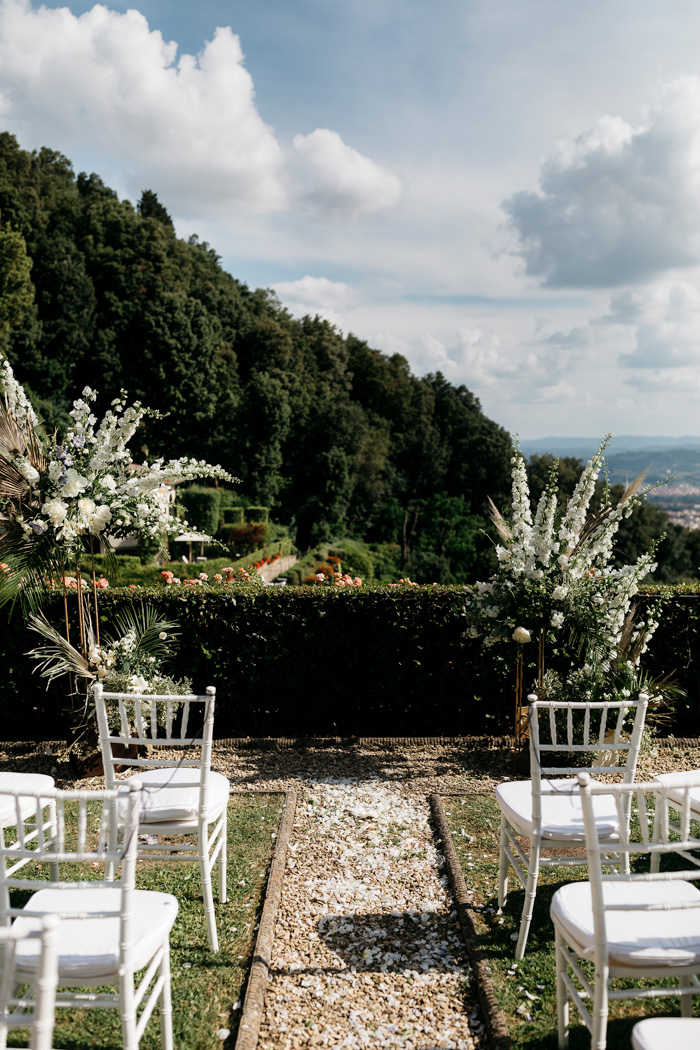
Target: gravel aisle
(368, 949)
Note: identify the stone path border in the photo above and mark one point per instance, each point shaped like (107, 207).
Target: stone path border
(254, 1001)
(494, 1018)
(255, 743)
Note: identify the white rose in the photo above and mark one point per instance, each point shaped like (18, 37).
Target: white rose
(559, 593)
(86, 506)
(98, 520)
(142, 510)
(55, 511)
(521, 635)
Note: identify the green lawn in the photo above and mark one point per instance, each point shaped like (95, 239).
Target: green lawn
(205, 986)
(474, 822)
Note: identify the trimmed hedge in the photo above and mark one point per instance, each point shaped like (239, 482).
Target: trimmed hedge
(232, 516)
(323, 661)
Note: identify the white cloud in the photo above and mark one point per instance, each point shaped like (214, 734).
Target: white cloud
(317, 293)
(105, 86)
(665, 322)
(187, 127)
(342, 182)
(619, 204)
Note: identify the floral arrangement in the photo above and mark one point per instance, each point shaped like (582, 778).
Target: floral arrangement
(129, 659)
(555, 584)
(60, 495)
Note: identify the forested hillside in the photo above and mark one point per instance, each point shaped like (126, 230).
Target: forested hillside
(338, 438)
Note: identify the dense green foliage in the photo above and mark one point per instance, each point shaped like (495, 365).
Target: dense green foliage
(335, 437)
(310, 661)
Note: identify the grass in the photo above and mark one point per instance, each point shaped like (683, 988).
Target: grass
(205, 986)
(474, 822)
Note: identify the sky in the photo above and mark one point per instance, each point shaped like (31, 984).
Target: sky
(507, 192)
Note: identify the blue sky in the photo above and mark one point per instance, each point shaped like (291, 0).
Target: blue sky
(508, 192)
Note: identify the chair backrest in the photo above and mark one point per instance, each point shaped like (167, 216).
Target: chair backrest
(657, 834)
(135, 720)
(24, 842)
(36, 1014)
(597, 730)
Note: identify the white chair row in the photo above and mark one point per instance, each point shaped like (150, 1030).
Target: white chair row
(180, 797)
(642, 926)
(548, 812)
(109, 930)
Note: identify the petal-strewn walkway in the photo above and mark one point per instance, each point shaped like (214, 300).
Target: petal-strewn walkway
(368, 949)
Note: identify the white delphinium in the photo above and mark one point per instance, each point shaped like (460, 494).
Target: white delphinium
(560, 578)
(14, 396)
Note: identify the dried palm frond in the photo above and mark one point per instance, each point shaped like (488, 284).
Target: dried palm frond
(59, 657)
(143, 620)
(18, 438)
(497, 518)
(634, 486)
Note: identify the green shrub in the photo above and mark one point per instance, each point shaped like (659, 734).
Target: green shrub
(403, 664)
(257, 514)
(201, 508)
(233, 516)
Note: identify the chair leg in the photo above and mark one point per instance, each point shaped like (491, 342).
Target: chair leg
(127, 1004)
(205, 869)
(655, 862)
(166, 1004)
(599, 1034)
(562, 994)
(503, 866)
(686, 1000)
(533, 870)
(223, 892)
(53, 832)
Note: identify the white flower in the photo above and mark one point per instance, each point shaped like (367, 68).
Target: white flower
(557, 620)
(75, 483)
(108, 482)
(521, 635)
(55, 510)
(86, 506)
(98, 520)
(138, 684)
(559, 593)
(162, 636)
(28, 471)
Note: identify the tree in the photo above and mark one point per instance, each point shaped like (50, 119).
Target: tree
(16, 290)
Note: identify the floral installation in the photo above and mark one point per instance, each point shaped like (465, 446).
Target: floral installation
(129, 659)
(60, 496)
(555, 584)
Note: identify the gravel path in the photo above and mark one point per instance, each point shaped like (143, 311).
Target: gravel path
(368, 950)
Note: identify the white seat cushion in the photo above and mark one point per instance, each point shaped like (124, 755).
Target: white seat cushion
(562, 817)
(20, 781)
(89, 948)
(662, 1033)
(691, 776)
(636, 938)
(172, 795)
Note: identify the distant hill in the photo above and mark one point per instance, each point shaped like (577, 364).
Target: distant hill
(584, 447)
